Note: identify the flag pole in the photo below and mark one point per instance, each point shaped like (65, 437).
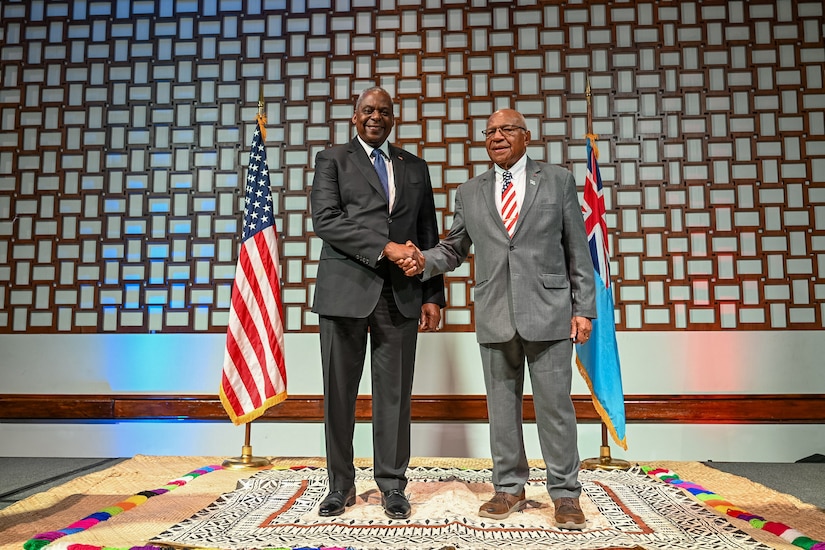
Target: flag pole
(247, 461)
(604, 461)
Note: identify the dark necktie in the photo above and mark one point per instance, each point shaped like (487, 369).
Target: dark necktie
(509, 215)
(381, 168)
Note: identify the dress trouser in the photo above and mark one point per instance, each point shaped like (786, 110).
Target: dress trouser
(392, 348)
(551, 377)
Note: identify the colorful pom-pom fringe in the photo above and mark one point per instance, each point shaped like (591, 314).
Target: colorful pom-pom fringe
(721, 505)
(39, 541)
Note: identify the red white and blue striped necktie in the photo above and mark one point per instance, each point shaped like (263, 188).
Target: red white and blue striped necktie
(509, 205)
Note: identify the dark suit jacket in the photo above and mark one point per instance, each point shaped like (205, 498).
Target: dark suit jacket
(535, 282)
(349, 213)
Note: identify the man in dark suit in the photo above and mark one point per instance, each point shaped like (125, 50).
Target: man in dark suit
(534, 297)
(368, 197)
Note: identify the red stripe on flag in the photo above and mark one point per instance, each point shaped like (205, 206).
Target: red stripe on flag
(254, 353)
(268, 253)
(248, 340)
(227, 389)
(249, 324)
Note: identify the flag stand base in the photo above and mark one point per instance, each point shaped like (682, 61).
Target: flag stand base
(246, 461)
(605, 461)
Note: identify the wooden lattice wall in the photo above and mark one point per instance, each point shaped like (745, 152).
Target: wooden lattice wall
(124, 130)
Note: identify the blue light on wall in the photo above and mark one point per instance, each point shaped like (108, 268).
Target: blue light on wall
(161, 363)
(132, 292)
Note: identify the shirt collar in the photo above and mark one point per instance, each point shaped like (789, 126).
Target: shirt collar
(519, 166)
(384, 147)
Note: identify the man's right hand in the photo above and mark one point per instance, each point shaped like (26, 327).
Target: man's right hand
(407, 256)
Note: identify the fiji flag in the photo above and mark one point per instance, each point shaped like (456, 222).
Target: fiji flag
(598, 358)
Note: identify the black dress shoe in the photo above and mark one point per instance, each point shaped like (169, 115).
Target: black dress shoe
(395, 504)
(336, 502)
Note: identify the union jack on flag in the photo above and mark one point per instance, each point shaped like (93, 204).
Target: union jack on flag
(595, 217)
(254, 373)
(598, 358)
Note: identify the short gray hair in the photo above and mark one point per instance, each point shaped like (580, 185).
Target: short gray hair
(369, 91)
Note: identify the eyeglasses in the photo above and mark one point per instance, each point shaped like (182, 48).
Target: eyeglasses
(505, 131)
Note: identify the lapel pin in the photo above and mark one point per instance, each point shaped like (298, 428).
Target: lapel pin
(532, 182)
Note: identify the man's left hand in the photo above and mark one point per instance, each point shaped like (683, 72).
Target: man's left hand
(580, 329)
(430, 318)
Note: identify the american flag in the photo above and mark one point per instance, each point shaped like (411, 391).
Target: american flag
(598, 358)
(254, 374)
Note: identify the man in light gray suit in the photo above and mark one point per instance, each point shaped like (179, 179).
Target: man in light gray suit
(534, 297)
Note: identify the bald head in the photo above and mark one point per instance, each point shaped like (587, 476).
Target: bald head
(507, 137)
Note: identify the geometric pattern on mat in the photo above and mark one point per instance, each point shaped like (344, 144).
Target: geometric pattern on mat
(625, 509)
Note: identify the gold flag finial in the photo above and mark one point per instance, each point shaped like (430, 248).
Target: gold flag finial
(261, 118)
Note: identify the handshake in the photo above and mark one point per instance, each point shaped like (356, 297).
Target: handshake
(406, 256)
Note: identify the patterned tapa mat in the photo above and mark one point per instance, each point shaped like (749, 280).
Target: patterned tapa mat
(625, 509)
(112, 508)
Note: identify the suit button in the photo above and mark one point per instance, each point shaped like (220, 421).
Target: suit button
(389, 220)
(512, 247)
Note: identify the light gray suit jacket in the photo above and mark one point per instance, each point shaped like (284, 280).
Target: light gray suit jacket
(535, 282)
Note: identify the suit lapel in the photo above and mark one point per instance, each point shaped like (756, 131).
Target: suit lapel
(362, 161)
(399, 171)
(532, 176)
(488, 191)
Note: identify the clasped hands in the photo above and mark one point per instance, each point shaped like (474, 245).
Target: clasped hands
(410, 259)
(406, 256)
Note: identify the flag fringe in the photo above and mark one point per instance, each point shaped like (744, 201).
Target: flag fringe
(251, 415)
(593, 137)
(600, 409)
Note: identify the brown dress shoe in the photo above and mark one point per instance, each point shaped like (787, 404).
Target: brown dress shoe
(502, 505)
(569, 513)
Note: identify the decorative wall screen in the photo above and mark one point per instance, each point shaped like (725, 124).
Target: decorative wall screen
(125, 127)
